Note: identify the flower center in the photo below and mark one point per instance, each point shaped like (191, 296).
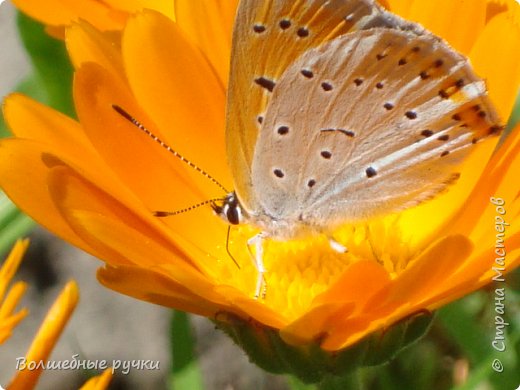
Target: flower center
(297, 271)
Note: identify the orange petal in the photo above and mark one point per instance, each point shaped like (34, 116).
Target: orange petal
(58, 134)
(459, 22)
(9, 323)
(495, 57)
(499, 258)
(253, 308)
(23, 177)
(477, 219)
(47, 336)
(210, 27)
(11, 264)
(478, 272)
(162, 6)
(95, 91)
(358, 279)
(352, 330)
(99, 382)
(64, 12)
(315, 324)
(399, 7)
(8, 320)
(73, 194)
(86, 44)
(151, 286)
(12, 299)
(32, 120)
(125, 236)
(154, 168)
(177, 87)
(424, 276)
(342, 300)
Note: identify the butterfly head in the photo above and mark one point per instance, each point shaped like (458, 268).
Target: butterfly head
(230, 210)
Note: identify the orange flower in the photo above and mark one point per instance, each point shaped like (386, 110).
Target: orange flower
(8, 303)
(99, 382)
(96, 183)
(50, 330)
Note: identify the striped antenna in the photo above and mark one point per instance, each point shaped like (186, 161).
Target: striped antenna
(141, 127)
(193, 207)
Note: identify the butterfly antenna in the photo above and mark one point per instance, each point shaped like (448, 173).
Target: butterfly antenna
(141, 127)
(182, 211)
(195, 206)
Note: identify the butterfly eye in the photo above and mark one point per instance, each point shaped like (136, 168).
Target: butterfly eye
(233, 214)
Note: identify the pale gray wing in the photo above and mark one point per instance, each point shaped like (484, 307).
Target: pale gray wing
(372, 122)
(268, 37)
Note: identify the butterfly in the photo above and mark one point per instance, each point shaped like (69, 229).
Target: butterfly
(339, 111)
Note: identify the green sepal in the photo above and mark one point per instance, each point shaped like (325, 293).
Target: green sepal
(310, 363)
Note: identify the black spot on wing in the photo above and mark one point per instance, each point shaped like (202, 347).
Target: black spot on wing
(278, 173)
(258, 28)
(370, 172)
(265, 83)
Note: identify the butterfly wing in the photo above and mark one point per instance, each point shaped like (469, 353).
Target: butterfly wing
(268, 37)
(368, 123)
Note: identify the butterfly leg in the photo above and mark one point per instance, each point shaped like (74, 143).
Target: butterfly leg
(337, 246)
(257, 257)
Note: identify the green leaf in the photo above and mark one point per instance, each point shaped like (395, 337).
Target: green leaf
(52, 69)
(458, 319)
(295, 384)
(186, 373)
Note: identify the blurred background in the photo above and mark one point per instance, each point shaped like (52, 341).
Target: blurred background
(456, 354)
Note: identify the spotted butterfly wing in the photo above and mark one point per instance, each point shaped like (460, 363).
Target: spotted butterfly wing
(371, 122)
(268, 37)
